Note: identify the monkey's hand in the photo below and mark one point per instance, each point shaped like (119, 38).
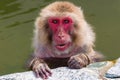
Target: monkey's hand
(40, 68)
(78, 61)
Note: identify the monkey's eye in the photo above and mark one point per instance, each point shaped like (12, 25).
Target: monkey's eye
(66, 21)
(55, 21)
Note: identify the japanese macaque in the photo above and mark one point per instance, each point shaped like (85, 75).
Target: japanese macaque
(62, 38)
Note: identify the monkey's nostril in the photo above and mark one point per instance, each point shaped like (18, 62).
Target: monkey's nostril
(61, 37)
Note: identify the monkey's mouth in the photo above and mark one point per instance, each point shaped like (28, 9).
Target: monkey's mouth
(62, 47)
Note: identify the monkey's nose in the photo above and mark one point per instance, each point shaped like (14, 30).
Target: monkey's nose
(62, 37)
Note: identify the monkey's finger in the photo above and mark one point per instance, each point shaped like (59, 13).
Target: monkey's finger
(41, 73)
(48, 70)
(73, 65)
(76, 65)
(71, 61)
(44, 72)
(37, 73)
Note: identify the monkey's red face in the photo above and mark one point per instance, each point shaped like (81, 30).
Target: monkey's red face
(61, 29)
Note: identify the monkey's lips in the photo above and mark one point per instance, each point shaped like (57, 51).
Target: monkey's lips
(63, 46)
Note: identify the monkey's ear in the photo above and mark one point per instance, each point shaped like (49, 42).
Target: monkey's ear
(39, 23)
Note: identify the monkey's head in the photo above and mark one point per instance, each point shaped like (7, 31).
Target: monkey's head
(62, 26)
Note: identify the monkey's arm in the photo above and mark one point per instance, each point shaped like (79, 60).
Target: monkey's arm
(83, 59)
(40, 68)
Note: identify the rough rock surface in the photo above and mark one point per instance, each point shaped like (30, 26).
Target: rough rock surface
(95, 71)
(114, 72)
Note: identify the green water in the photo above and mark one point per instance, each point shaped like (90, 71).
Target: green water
(17, 23)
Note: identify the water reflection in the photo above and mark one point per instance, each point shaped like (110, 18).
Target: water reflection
(16, 27)
(17, 21)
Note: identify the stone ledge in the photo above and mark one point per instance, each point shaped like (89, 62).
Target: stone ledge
(107, 70)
